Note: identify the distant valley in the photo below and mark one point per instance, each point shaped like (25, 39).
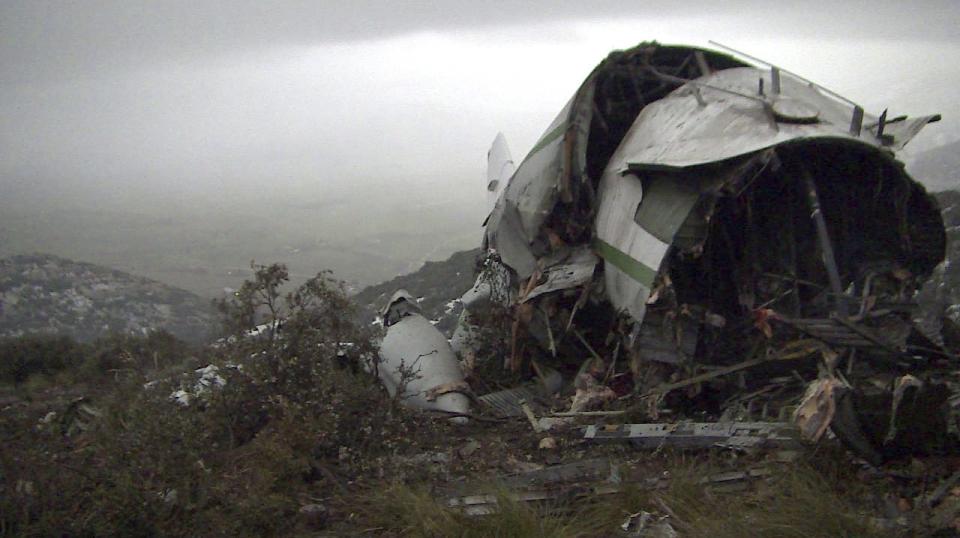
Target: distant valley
(365, 235)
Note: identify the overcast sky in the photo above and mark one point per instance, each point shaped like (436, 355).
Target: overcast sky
(130, 101)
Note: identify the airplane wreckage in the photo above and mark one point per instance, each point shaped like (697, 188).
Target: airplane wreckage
(718, 240)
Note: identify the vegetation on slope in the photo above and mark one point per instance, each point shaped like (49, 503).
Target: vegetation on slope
(290, 435)
(44, 294)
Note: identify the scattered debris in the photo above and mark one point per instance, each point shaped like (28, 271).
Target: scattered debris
(205, 380)
(510, 402)
(700, 227)
(417, 364)
(698, 237)
(579, 479)
(548, 443)
(590, 394)
(314, 516)
(647, 525)
(587, 478)
(815, 412)
(739, 435)
(469, 449)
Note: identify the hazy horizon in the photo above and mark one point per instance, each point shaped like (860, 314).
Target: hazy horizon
(182, 139)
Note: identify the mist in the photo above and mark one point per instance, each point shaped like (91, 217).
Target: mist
(181, 141)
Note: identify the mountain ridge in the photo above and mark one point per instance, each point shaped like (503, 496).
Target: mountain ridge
(47, 294)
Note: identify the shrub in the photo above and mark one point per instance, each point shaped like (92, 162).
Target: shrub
(297, 416)
(27, 356)
(125, 354)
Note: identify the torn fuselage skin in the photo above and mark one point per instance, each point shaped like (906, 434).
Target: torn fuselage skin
(726, 207)
(416, 363)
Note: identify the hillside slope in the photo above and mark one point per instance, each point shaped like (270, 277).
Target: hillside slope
(437, 283)
(937, 168)
(47, 294)
(941, 293)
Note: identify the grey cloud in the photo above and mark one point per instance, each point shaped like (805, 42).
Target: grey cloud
(43, 40)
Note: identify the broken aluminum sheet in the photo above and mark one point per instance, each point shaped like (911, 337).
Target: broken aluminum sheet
(500, 169)
(529, 197)
(575, 271)
(635, 228)
(642, 216)
(417, 359)
(509, 402)
(741, 435)
(596, 476)
(722, 115)
(587, 478)
(401, 304)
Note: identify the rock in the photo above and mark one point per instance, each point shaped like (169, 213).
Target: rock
(468, 449)
(314, 516)
(548, 443)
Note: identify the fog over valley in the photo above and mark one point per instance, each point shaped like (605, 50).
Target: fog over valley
(180, 141)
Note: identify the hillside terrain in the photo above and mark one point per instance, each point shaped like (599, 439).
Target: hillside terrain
(268, 444)
(437, 285)
(51, 295)
(937, 168)
(48, 294)
(364, 233)
(941, 293)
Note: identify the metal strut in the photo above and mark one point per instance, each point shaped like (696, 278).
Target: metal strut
(823, 236)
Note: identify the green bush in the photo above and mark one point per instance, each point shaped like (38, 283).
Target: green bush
(123, 354)
(26, 356)
(33, 356)
(297, 416)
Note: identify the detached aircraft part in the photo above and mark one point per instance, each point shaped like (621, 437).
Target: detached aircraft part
(416, 359)
(686, 207)
(500, 169)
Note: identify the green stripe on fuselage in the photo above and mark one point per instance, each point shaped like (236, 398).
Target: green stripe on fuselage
(549, 137)
(622, 261)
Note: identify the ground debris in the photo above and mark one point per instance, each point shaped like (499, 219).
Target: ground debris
(741, 435)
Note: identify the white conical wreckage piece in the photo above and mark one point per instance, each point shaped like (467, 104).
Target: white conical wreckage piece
(500, 169)
(416, 358)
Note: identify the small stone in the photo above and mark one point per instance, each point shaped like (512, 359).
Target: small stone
(548, 443)
(171, 496)
(468, 449)
(314, 516)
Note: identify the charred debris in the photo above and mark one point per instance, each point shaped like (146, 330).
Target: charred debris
(697, 238)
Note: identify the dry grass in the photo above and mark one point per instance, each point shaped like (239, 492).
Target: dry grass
(797, 501)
